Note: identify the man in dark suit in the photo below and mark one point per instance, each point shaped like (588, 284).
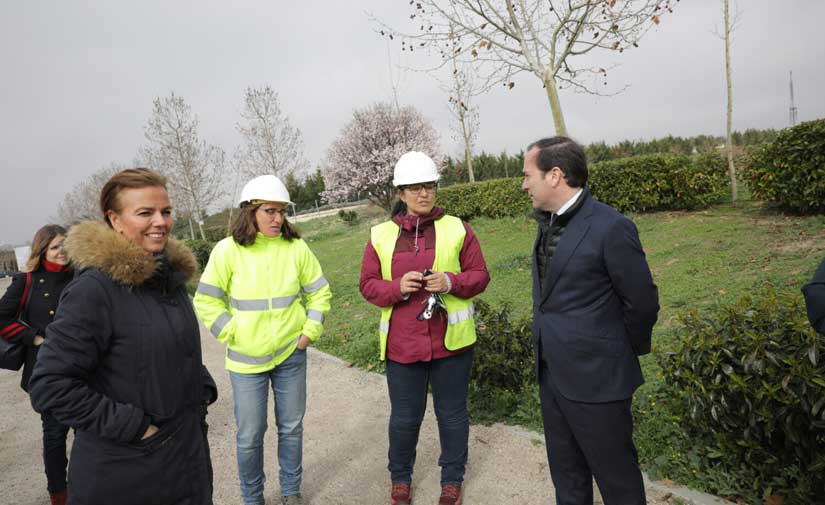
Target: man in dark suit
(814, 293)
(594, 307)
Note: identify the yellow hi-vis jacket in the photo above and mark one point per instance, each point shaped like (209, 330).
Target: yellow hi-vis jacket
(449, 233)
(262, 283)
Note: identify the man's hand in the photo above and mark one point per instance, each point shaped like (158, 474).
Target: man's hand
(437, 282)
(411, 282)
(151, 430)
(38, 340)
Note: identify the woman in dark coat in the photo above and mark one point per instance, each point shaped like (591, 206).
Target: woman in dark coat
(50, 273)
(122, 360)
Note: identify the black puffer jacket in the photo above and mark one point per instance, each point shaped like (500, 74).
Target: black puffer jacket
(45, 291)
(123, 352)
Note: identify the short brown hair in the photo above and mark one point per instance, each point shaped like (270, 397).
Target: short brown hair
(245, 228)
(126, 179)
(40, 244)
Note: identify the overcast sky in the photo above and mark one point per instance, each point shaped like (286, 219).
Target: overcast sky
(77, 79)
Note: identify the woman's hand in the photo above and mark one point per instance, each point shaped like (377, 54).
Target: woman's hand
(151, 430)
(411, 282)
(304, 342)
(437, 282)
(38, 340)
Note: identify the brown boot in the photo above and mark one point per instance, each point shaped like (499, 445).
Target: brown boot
(450, 495)
(59, 498)
(401, 494)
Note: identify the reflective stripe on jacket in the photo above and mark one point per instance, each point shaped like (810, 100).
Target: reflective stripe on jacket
(450, 233)
(250, 298)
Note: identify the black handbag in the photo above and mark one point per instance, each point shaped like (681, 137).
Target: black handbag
(13, 352)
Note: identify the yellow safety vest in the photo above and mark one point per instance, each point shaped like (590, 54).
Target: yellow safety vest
(250, 298)
(450, 233)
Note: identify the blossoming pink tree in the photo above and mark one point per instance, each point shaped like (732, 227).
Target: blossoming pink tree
(362, 158)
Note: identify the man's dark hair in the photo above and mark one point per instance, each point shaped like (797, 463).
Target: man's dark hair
(564, 153)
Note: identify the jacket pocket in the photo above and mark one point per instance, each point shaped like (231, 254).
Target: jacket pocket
(592, 339)
(165, 435)
(590, 346)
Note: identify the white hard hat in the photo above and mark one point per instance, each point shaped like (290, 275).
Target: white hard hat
(414, 167)
(266, 188)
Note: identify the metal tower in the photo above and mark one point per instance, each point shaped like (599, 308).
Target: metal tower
(792, 112)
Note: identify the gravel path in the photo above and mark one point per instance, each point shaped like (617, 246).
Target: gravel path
(345, 445)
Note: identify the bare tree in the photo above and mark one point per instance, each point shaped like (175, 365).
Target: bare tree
(82, 203)
(729, 118)
(362, 158)
(463, 88)
(237, 170)
(271, 144)
(541, 37)
(193, 168)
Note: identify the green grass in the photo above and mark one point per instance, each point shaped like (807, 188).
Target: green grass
(698, 259)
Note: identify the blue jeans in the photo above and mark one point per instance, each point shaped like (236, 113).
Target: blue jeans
(251, 394)
(449, 378)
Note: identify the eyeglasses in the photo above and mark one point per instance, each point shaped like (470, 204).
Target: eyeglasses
(417, 188)
(272, 212)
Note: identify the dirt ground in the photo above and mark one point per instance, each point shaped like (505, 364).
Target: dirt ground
(345, 445)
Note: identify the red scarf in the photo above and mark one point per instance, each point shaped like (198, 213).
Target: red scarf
(54, 267)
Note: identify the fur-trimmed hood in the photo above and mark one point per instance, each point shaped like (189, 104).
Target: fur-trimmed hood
(94, 245)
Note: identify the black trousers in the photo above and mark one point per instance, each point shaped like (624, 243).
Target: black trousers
(54, 453)
(587, 441)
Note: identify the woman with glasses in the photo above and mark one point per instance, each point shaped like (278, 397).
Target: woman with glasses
(49, 271)
(262, 270)
(423, 267)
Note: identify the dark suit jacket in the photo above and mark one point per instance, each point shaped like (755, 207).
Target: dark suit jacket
(814, 293)
(594, 312)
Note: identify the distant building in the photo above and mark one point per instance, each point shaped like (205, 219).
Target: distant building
(8, 262)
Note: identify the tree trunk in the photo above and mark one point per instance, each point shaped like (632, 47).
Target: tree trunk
(229, 221)
(468, 161)
(191, 228)
(729, 126)
(555, 106)
(468, 156)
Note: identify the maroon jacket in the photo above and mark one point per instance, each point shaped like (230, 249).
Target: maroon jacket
(411, 340)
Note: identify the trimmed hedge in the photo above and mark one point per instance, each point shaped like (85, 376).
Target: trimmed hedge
(638, 184)
(751, 379)
(494, 198)
(660, 182)
(790, 171)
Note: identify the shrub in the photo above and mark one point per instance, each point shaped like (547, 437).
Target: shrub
(216, 234)
(502, 374)
(504, 351)
(790, 171)
(638, 184)
(201, 250)
(350, 217)
(753, 385)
